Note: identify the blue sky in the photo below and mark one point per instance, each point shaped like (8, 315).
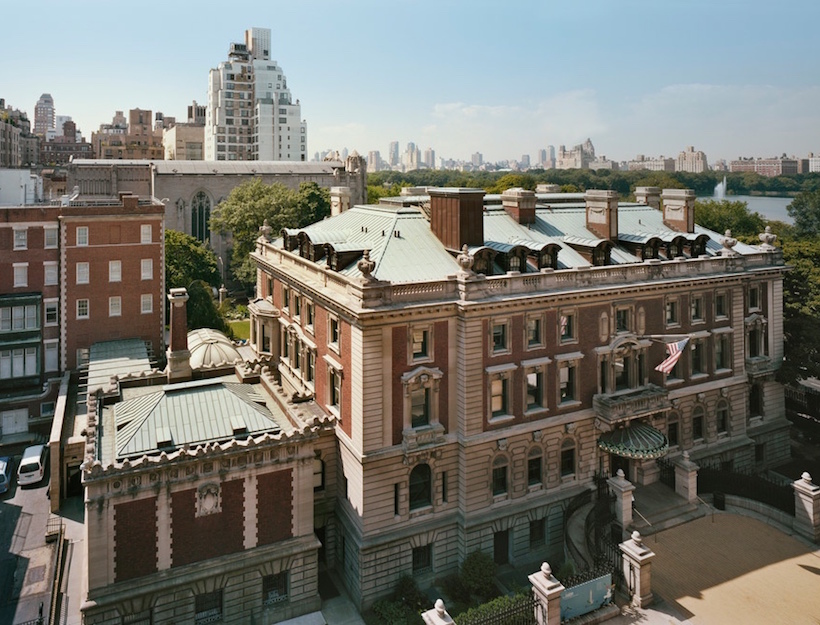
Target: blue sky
(731, 77)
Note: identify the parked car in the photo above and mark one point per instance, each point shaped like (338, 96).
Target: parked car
(33, 465)
(5, 474)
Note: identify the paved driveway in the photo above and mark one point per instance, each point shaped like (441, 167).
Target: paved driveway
(736, 570)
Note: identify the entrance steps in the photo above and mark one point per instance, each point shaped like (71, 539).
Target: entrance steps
(657, 507)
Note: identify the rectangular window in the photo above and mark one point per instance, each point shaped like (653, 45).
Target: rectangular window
(309, 315)
(420, 407)
(333, 332)
(754, 298)
(32, 321)
(622, 320)
(115, 306)
(47, 408)
(82, 236)
(567, 327)
(420, 344)
(721, 310)
(50, 354)
(82, 309)
(696, 308)
(20, 238)
(82, 272)
(534, 332)
(5, 319)
(50, 236)
(335, 388)
(145, 233)
(208, 607)
(20, 274)
(285, 298)
(672, 433)
(722, 417)
(275, 588)
(444, 487)
(146, 303)
(51, 275)
(499, 337)
(537, 533)
(395, 500)
(114, 271)
(697, 427)
(499, 397)
(535, 389)
(422, 559)
(52, 312)
(297, 306)
(672, 312)
(147, 269)
(500, 480)
(534, 470)
(567, 383)
(696, 350)
(567, 461)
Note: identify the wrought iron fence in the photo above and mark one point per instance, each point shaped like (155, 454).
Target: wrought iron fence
(524, 610)
(748, 485)
(667, 472)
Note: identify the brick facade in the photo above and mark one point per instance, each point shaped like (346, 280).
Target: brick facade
(274, 507)
(135, 538)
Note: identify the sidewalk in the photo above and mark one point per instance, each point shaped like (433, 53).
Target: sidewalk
(72, 514)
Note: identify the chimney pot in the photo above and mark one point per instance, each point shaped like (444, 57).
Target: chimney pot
(457, 216)
(179, 358)
(679, 209)
(602, 213)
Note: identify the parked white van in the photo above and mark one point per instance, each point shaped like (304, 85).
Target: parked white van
(33, 465)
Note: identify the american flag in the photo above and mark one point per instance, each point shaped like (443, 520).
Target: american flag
(675, 350)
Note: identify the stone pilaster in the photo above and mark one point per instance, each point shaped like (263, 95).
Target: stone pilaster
(686, 478)
(807, 508)
(547, 591)
(637, 560)
(623, 489)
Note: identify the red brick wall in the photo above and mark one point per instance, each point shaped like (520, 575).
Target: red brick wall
(194, 539)
(135, 539)
(442, 351)
(274, 515)
(399, 366)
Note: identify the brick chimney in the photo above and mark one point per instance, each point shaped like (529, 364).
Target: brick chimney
(651, 196)
(179, 358)
(679, 209)
(339, 200)
(457, 216)
(519, 204)
(602, 213)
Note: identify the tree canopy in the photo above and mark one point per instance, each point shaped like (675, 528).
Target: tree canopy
(723, 215)
(251, 203)
(805, 210)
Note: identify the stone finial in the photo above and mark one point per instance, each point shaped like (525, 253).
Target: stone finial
(366, 266)
(806, 477)
(265, 230)
(636, 538)
(440, 609)
(620, 473)
(728, 242)
(686, 455)
(768, 238)
(465, 261)
(546, 569)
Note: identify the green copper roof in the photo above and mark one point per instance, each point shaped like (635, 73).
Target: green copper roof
(638, 441)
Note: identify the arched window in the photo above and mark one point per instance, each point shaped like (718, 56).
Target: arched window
(697, 423)
(534, 467)
(201, 216)
(420, 487)
(722, 417)
(672, 429)
(567, 457)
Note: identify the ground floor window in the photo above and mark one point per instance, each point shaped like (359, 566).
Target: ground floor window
(208, 607)
(537, 533)
(275, 588)
(422, 559)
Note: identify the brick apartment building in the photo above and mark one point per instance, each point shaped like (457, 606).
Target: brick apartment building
(71, 273)
(485, 358)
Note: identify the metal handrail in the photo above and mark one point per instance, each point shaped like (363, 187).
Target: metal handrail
(712, 508)
(645, 520)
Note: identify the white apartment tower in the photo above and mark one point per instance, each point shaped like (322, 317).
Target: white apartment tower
(250, 114)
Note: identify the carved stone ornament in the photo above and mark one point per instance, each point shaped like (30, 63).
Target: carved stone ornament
(366, 266)
(767, 238)
(208, 499)
(465, 261)
(728, 242)
(265, 230)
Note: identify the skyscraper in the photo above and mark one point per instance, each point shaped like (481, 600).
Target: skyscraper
(44, 114)
(393, 154)
(430, 158)
(250, 113)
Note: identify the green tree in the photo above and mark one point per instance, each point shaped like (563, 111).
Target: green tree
(187, 259)
(801, 310)
(805, 210)
(723, 215)
(202, 309)
(251, 203)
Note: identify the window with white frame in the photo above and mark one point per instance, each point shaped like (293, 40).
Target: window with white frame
(20, 274)
(51, 355)
(309, 314)
(147, 269)
(672, 312)
(285, 298)
(500, 338)
(82, 273)
(420, 343)
(334, 388)
(535, 331)
(52, 311)
(51, 275)
(333, 332)
(14, 318)
(50, 239)
(82, 309)
(145, 233)
(19, 362)
(146, 303)
(82, 236)
(115, 306)
(115, 271)
(754, 298)
(696, 308)
(568, 377)
(499, 379)
(721, 305)
(567, 326)
(20, 238)
(535, 376)
(297, 307)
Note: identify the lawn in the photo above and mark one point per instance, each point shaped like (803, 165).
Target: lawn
(241, 329)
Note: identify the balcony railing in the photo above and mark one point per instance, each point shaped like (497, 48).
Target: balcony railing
(762, 365)
(612, 408)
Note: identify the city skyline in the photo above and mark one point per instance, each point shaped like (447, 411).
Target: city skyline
(741, 81)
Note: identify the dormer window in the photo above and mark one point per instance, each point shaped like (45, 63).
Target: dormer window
(515, 263)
